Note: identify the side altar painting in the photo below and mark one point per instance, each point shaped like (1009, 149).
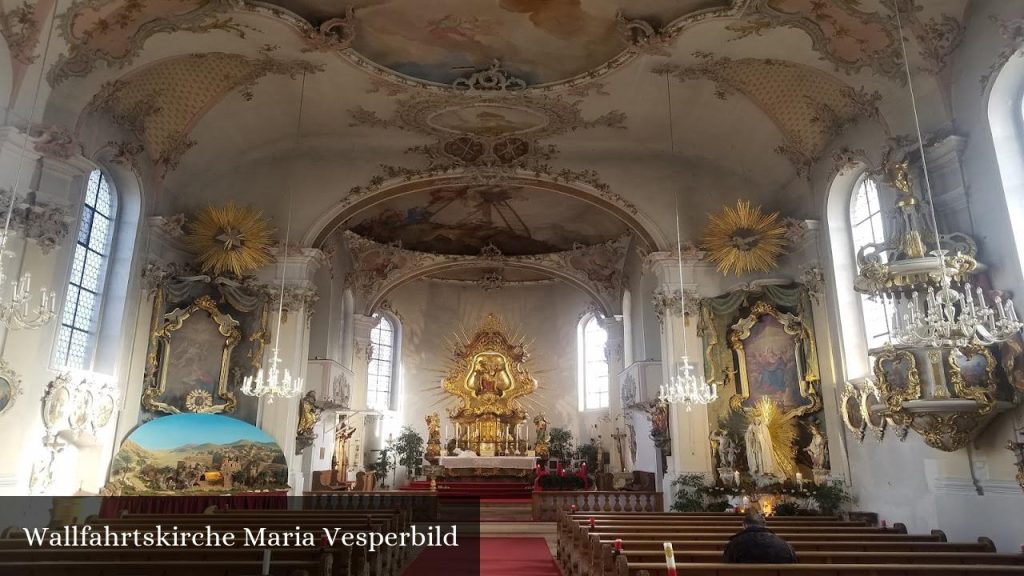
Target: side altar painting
(198, 453)
(487, 378)
(760, 345)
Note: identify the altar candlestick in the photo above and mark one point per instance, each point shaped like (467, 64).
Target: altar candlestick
(800, 481)
(670, 560)
(736, 477)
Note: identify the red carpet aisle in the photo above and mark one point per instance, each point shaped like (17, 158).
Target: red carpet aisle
(497, 557)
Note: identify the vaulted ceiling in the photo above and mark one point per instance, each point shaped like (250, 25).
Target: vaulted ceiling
(533, 125)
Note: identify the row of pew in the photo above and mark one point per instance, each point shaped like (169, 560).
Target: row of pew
(632, 544)
(19, 558)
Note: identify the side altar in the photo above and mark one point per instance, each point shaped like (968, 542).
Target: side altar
(487, 378)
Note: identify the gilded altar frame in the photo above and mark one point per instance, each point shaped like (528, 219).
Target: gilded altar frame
(984, 395)
(896, 395)
(803, 347)
(161, 352)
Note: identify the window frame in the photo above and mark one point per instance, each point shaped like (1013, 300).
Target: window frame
(872, 338)
(393, 363)
(93, 334)
(583, 361)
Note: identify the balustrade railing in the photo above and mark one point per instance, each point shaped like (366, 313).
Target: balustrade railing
(546, 505)
(421, 506)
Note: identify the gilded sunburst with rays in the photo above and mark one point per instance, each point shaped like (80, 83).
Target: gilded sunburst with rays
(230, 238)
(744, 239)
(781, 430)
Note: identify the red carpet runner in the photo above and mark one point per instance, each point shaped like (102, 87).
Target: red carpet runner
(498, 557)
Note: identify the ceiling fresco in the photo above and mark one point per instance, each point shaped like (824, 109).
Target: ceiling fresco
(439, 41)
(464, 220)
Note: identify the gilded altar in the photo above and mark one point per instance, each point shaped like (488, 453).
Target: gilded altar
(487, 376)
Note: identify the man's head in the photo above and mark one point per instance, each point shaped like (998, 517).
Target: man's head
(753, 518)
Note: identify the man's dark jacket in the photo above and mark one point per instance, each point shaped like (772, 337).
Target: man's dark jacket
(758, 545)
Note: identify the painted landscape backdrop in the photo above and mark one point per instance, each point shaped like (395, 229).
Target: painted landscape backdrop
(198, 453)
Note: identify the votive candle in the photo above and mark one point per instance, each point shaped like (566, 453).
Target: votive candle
(618, 545)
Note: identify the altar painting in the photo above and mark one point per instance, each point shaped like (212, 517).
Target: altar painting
(771, 364)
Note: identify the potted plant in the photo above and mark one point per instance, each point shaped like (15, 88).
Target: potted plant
(382, 466)
(560, 444)
(408, 448)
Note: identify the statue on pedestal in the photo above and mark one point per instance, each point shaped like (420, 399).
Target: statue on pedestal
(433, 451)
(817, 449)
(543, 436)
(309, 413)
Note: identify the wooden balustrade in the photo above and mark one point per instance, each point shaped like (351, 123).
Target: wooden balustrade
(547, 505)
(421, 506)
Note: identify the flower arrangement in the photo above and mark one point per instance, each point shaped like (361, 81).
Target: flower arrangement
(694, 494)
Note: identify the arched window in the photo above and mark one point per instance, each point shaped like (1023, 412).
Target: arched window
(866, 227)
(381, 374)
(76, 337)
(593, 366)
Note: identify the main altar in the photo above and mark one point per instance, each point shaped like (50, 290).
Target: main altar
(487, 377)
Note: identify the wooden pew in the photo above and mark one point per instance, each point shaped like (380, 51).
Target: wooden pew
(625, 568)
(164, 568)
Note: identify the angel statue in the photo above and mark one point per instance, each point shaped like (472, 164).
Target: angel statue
(433, 427)
(817, 449)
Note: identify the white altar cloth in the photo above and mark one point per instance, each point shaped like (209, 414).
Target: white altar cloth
(513, 462)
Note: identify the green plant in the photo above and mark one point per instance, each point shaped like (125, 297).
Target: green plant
(787, 509)
(553, 482)
(408, 448)
(589, 453)
(382, 466)
(831, 498)
(560, 444)
(690, 493)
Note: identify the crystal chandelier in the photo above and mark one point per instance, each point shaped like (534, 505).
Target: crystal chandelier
(932, 302)
(275, 382)
(687, 387)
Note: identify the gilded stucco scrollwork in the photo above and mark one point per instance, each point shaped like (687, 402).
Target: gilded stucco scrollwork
(850, 409)
(162, 354)
(979, 386)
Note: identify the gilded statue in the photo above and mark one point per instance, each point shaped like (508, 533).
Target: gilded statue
(490, 375)
(541, 425)
(433, 438)
(309, 413)
(341, 437)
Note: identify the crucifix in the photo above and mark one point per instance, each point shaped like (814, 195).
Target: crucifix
(619, 435)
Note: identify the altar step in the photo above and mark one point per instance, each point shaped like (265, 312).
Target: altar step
(496, 491)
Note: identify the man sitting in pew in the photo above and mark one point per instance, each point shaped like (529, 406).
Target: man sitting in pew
(756, 544)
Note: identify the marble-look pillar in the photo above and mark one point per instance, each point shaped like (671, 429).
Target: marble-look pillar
(614, 356)
(279, 416)
(688, 425)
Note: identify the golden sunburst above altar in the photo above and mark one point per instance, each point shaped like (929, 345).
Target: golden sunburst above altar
(230, 238)
(744, 239)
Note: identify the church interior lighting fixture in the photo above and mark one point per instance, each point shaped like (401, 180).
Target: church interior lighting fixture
(686, 387)
(932, 301)
(275, 382)
(16, 309)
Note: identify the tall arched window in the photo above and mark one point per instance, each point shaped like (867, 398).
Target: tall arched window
(593, 366)
(76, 337)
(866, 227)
(381, 374)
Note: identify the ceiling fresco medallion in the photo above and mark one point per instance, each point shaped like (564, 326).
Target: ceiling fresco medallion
(464, 219)
(437, 42)
(487, 120)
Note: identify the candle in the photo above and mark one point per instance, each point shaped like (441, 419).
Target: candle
(670, 560)
(799, 480)
(572, 508)
(884, 524)
(266, 563)
(593, 522)
(618, 545)
(736, 477)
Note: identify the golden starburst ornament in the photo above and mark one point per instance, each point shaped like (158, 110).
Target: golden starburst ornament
(230, 238)
(744, 239)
